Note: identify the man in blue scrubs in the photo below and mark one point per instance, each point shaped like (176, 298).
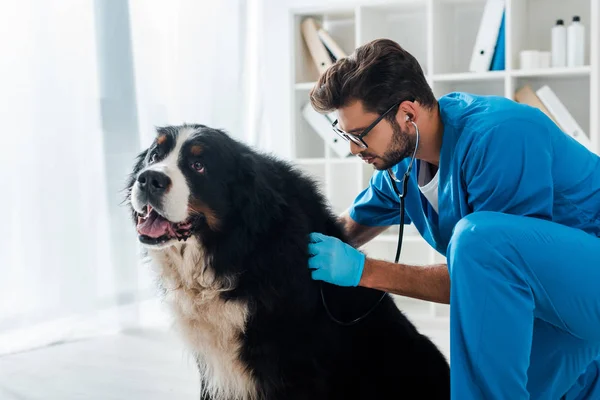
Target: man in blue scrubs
(511, 201)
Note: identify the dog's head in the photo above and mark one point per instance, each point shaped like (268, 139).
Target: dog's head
(183, 184)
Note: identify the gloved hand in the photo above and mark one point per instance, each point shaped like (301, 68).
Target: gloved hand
(334, 261)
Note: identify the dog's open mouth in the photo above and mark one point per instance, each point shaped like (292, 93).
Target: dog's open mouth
(154, 229)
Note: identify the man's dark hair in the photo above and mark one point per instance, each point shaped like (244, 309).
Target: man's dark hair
(379, 73)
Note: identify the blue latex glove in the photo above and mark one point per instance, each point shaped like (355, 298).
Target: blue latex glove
(334, 261)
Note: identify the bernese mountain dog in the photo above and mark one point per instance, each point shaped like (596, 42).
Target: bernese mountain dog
(227, 228)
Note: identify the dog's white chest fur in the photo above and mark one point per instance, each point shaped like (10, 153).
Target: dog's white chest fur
(211, 326)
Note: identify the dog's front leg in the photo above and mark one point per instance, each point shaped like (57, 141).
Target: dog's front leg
(204, 395)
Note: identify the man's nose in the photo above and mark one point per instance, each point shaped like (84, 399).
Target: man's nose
(354, 148)
(154, 182)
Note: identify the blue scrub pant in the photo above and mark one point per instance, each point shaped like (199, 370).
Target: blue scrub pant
(524, 309)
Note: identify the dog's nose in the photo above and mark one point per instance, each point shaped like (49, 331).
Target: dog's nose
(154, 182)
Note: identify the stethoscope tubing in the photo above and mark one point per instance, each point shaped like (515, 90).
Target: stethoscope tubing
(400, 230)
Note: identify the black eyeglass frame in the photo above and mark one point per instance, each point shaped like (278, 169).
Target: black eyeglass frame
(358, 139)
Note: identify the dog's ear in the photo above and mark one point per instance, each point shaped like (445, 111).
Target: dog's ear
(249, 184)
(255, 174)
(247, 165)
(259, 190)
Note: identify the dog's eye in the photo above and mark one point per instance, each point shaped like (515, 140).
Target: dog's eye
(153, 157)
(198, 166)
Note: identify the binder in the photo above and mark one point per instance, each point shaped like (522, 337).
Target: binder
(334, 49)
(322, 125)
(498, 60)
(526, 95)
(317, 49)
(487, 36)
(562, 115)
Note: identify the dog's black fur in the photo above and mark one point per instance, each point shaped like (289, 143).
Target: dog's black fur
(265, 210)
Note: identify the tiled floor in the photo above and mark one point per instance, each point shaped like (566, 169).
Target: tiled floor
(148, 365)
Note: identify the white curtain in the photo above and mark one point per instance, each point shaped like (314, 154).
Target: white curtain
(82, 84)
(199, 61)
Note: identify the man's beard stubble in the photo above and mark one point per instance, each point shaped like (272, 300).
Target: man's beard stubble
(402, 146)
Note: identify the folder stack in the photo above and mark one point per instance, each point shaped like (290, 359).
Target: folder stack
(323, 49)
(548, 102)
(324, 52)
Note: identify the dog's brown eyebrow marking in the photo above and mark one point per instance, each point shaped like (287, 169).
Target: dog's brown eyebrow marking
(196, 149)
(161, 139)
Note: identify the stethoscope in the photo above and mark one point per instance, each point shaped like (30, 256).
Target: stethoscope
(401, 196)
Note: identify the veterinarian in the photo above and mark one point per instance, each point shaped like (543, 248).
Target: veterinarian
(511, 201)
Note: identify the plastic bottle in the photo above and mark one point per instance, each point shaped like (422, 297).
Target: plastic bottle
(559, 44)
(575, 43)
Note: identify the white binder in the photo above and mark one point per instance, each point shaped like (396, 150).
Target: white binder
(487, 36)
(331, 45)
(322, 125)
(562, 116)
(526, 95)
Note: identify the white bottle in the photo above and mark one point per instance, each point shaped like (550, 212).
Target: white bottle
(575, 43)
(559, 44)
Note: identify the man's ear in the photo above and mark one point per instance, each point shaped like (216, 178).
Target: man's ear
(409, 109)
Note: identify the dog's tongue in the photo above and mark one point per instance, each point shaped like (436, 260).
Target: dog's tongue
(154, 226)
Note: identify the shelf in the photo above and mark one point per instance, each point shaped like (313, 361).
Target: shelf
(339, 22)
(550, 72)
(415, 249)
(454, 29)
(486, 83)
(573, 93)
(343, 187)
(349, 160)
(329, 11)
(461, 2)
(493, 75)
(441, 35)
(322, 160)
(316, 172)
(393, 238)
(532, 21)
(310, 161)
(499, 75)
(469, 76)
(383, 21)
(305, 85)
(396, 5)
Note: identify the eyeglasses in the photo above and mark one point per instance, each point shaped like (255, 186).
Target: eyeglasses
(358, 139)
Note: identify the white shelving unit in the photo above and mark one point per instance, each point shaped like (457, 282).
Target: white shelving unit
(441, 35)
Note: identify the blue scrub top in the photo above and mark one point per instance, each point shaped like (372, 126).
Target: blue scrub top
(497, 155)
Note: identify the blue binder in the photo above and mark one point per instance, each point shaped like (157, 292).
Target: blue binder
(498, 60)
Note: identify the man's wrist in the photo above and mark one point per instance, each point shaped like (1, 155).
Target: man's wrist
(359, 268)
(431, 283)
(366, 279)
